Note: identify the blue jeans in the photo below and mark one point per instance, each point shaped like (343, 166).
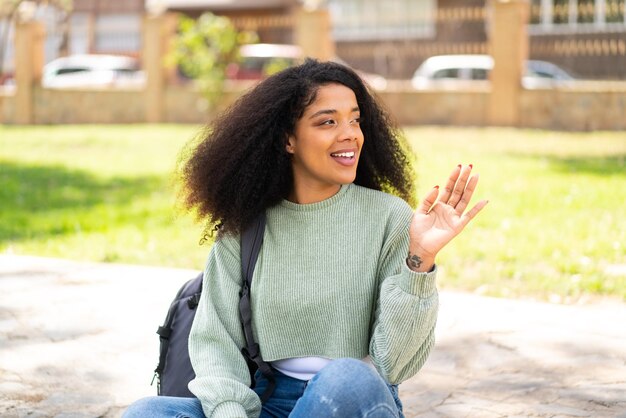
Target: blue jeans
(345, 388)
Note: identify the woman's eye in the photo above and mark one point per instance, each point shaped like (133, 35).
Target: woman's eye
(328, 122)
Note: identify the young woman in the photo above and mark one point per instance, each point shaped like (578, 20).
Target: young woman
(343, 298)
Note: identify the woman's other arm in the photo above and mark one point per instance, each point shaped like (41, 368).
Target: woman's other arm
(222, 377)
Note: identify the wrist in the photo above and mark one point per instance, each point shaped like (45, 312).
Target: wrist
(420, 263)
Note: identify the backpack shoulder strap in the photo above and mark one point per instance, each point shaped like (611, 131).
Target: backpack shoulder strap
(251, 240)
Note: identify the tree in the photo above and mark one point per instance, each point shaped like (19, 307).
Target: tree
(203, 49)
(9, 11)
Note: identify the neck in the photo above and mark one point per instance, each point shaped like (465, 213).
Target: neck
(305, 194)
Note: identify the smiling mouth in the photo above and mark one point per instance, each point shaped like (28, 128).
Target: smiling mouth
(345, 158)
(343, 154)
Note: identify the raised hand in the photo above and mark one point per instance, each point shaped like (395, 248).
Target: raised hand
(441, 217)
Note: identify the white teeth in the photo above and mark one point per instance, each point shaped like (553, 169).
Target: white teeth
(344, 154)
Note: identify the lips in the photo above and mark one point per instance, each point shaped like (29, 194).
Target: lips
(344, 157)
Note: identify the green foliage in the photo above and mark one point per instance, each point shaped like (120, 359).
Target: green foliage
(554, 228)
(276, 65)
(203, 49)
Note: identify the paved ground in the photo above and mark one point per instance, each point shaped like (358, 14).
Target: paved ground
(78, 340)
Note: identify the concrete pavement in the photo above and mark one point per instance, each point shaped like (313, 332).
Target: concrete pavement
(78, 340)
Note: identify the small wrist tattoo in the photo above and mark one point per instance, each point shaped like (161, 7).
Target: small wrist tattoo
(414, 261)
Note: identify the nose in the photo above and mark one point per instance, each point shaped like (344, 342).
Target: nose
(351, 131)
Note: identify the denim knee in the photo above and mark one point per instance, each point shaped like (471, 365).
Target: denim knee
(347, 387)
(164, 406)
(139, 408)
(346, 371)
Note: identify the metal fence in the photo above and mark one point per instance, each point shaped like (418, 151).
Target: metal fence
(586, 37)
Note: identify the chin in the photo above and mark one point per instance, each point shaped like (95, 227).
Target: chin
(343, 176)
(347, 180)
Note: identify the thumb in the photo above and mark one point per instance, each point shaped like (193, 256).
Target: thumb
(429, 201)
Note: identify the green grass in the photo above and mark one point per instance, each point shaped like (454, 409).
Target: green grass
(556, 221)
(102, 193)
(555, 226)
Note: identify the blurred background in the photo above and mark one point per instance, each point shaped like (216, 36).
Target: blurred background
(483, 48)
(97, 98)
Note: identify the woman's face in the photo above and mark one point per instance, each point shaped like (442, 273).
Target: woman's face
(326, 144)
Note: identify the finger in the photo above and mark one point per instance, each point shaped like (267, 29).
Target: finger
(459, 187)
(447, 191)
(467, 194)
(429, 200)
(469, 215)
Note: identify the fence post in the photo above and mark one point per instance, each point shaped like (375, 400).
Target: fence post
(508, 43)
(29, 60)
(157, 32)
(313, 33)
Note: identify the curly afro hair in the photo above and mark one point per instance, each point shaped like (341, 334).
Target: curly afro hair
(239, 165)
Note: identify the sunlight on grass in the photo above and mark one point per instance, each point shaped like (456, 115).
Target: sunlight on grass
(102, 193)
(555, 227)
(555, 223)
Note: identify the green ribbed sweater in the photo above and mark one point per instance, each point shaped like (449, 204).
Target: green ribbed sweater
(331, 281)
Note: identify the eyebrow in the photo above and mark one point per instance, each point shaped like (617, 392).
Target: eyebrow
(330, 112)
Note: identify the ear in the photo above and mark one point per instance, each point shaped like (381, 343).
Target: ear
(290, 145)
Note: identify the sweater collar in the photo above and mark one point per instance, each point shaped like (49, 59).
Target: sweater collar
(317, 205)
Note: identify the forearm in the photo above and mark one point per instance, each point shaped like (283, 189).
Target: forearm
(403, 334)
(222, 377)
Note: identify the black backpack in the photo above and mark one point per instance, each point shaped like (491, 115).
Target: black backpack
(174, 371)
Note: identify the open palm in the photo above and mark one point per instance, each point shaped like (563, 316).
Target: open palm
(441, 216)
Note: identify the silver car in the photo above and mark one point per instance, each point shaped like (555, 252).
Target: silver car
(453, 71)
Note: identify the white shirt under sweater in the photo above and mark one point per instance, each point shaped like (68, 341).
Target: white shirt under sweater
(304, 368)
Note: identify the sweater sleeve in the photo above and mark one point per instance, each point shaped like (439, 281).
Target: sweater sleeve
(222, 377)
(406, 312)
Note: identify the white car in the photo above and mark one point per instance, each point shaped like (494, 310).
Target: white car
(451, 71)
(93, 71)
(257, 59)
(260, 60)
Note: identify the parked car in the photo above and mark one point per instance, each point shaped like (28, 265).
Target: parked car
(77, 71)
(450, 71)
(7, 79)
(260, 60)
